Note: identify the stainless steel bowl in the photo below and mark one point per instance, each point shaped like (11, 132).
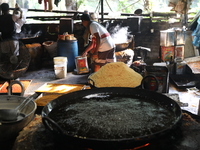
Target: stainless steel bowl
(10, 129)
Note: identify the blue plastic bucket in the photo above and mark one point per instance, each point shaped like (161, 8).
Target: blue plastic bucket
(69, 49)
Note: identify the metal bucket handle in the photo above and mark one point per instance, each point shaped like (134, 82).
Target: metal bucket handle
(9, 88)
(52, 125)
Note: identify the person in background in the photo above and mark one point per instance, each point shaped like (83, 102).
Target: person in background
(86, 35)
(10, 24)
(7, 24)
(101, 47)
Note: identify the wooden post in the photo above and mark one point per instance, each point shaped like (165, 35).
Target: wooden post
(185, 14)
(102, 11)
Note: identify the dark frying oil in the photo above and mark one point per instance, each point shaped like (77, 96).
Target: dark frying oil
(112, 117)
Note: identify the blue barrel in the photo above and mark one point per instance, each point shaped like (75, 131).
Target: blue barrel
(69, 49)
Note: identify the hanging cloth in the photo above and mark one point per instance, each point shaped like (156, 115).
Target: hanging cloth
(49, 4)
(56, 2)
(45, 4)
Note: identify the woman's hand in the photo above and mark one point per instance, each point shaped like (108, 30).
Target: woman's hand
(94, 57)
(84, 54)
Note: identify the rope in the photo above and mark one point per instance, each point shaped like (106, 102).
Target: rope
(108, 5)
(100, 4)
(130, 5)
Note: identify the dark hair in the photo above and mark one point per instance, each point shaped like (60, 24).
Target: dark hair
(4, 7)
(85, 17)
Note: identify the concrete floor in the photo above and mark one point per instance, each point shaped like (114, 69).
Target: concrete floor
(47, 75)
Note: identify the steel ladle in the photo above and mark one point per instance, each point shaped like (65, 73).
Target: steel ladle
(12, 114)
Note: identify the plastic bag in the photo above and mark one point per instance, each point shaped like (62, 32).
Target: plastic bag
(196, 34)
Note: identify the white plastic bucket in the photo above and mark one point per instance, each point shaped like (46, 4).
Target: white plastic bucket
(60, 67)
(60, 71)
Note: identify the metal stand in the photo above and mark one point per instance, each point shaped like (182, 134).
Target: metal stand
(102, 8)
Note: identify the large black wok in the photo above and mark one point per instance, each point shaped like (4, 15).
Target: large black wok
(104, 143)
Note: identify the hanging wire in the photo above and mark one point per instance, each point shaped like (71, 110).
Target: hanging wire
(98, 6)
(109, 6)
(130, 5)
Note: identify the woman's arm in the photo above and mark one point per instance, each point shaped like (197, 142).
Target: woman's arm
(97, 43)
(90, 47)
(95, 52)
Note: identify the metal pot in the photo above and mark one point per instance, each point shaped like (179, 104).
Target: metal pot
(167, 38)
(180, 35)
(10, 129)
(121, 46)
(127, 45)
(28, 38)
(118, 143)
(191, 61)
